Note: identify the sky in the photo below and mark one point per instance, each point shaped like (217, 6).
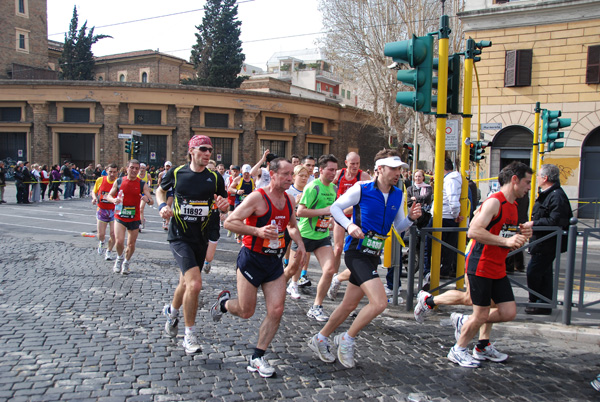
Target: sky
(297, 24)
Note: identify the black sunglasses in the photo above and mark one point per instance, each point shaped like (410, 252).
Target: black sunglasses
(204, 149)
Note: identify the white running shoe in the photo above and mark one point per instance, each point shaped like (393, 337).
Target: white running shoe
(462, 357)
(100, 247)
(292, 290)
(191, 345)
(171, 325)
(321, 348)
(262, 366)
(458, 320)
(489, 353)
(108, 256)
(125, 268)
(422, 309)
(596, 383)
(215, 310)
(345, 351)
(334, 287)
(316, 312)
(388, 292)
(117, 266)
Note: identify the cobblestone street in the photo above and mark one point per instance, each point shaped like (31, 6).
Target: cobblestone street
(73, 330)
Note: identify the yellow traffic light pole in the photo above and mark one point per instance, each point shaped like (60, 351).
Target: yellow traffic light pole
(440, 149)
(534, 157)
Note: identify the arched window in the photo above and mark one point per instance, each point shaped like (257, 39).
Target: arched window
(144, 77)
(122, 78)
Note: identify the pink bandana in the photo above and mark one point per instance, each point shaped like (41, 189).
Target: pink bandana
(199, 140)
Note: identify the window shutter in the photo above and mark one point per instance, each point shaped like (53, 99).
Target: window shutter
(524, 59)
(510, 72)
(592, 72)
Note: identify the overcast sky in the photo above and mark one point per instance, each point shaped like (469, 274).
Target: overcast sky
(296, 22)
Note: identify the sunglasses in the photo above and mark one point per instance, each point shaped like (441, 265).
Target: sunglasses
(204, 149)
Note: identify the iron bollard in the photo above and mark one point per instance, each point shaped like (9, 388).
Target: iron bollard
(570, 272)
(410, 279)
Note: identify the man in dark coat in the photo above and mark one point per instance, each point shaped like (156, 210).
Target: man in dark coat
(551, 208)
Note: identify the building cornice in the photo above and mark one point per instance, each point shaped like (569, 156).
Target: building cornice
(529, 13)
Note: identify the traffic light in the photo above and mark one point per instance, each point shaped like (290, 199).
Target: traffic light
(453, 94)
(409, 151)
(136, 146)
(128, 146)
(478, 150)
(551, 125)
(472, 149)
(474, 49)
(418, 53)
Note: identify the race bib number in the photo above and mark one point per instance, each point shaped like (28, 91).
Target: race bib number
(274, 247)
(508, 231)
(322, 223)
(372, 244)
(103, 195)
(127, 212)
(243, 196)
(193, 210)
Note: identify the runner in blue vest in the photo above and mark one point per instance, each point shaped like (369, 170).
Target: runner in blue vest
(377, 205)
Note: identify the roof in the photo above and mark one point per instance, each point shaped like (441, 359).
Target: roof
(314, 54)
(137, 53)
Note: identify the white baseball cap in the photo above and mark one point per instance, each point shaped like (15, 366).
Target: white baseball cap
(168, 163)
(391, 161)
(246, 168)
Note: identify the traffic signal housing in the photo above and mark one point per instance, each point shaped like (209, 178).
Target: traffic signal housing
(417, 52)
(472, 149)
(551, 124)
(453, 94)
(128, 146)
(136, 146)
(410, 149)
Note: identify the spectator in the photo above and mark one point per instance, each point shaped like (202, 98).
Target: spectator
(551, 208)
(97, 172)
(81, 182)
(19, 183)
(450, 217)
(66, 176)
(55, 176)
(89, 179)
(516, 262)
(45, 180)
(2, 182)
(27, 178)
(35, 183)
(421, 193)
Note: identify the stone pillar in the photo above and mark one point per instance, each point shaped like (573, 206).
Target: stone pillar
(300, 128)
(248, 140)
(111, 148)
(183, 133)
(39, 138)
(339, 145)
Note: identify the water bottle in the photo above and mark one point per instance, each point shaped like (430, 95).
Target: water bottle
(274, 243)
(119, 206)
(84, 234)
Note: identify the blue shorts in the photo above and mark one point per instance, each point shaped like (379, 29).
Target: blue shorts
(105, 215)
(259, 268)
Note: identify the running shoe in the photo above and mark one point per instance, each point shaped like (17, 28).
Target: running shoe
(125, 268)
(143, 224)
(345, 351)
(165, 225)
(207, 267)
(191, 344)
(108, 256)
(422, 309)
(462, 357)
(304, 282)
(292, 290)
(321, 348)
(458, 320)
(215, 310)
(316, 312)
(596, 383)
(334, 288)
(262, 366)
(117, 266)
(171, 325)
(100, 247)
(388, 292)
(229, 233)
(489, 353)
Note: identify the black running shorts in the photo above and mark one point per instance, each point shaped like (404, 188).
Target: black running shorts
(259, 268)
(133, 225)
(484, 290)
(188, 255)
(312, 245)
(362, 267)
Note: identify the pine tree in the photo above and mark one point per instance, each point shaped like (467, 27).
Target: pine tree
(77, 60)
(217, 55)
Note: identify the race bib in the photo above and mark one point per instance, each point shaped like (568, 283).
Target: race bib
(274, 247)
(193, 210)
(127, 212)
(372, 244)
(509, 231)
(103, 195)
(322, 223)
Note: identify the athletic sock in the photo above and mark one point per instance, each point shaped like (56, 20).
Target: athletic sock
(429, 302)
(190, 330)
(347, 338)
(321, 338)
(482, 344)
(223, 309)
(302, 273)
(173, 312)
(258, 353)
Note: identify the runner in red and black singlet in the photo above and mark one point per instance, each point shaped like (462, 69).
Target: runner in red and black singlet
(127, 213)
(105, 213)
(493, 233)
(262, 219)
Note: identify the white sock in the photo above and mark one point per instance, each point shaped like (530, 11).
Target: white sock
(190, 330)
(122, 256)
(174, 312)
(321, 337)
(125, 260)
(347, 338)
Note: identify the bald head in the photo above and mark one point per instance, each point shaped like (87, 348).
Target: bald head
(352, 163)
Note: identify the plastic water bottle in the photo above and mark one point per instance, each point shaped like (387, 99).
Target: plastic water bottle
(85, 234)
(119, 206)
(274, 243)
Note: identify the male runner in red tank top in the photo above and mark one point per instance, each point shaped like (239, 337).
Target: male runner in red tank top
(494, 231)
(259, 262)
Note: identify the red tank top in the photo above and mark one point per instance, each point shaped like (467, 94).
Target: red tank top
(490, 261)
(281, 216)
(344, 184)
(131, 199)
(230, 197)
(103, 191)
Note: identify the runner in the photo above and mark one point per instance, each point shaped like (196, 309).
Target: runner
(315, 217)
(309, 163)
(262, 218)
(143, 175)
(262, 174)
(344, 179)
(105, 214)
(242, 186)
(169, 201)
(196, 189)
(128, 191)
(377, 205)
(214, 225)
(235, 172)
(494, 231)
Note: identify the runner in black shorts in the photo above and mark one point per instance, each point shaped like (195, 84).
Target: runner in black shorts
(214, 229)
(262, 218)
(195, 188)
